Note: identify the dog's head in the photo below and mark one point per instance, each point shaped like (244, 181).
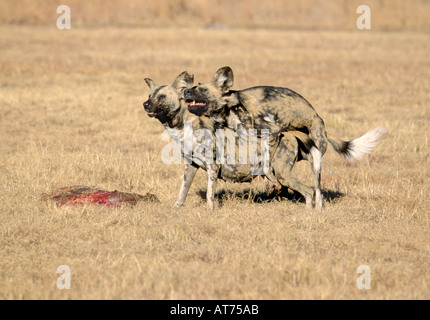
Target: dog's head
(164, 102)
(207, 99)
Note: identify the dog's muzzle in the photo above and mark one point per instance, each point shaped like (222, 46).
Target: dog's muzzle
(151, 113)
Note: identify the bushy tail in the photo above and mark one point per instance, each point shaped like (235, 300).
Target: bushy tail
(358, 148)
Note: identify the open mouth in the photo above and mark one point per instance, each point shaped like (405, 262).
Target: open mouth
(195, 104)
(199, 108)
(153, 114)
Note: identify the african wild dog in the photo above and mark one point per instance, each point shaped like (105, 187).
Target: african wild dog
(166, 103)
(279, 110)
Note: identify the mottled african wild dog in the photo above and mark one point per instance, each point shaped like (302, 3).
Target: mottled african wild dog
(278, 109)
(166, 103)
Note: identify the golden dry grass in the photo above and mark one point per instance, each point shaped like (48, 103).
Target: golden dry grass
(278, 14)
(71, 114)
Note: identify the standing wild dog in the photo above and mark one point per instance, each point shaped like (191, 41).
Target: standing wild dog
(279, 110)
(166, 103)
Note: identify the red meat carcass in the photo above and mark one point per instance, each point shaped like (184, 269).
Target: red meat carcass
(79, 195)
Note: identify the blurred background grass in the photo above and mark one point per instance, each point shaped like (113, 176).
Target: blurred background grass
(411, 15)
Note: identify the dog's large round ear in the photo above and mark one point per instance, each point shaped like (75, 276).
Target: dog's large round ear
(183, 81)
(151, 84)
(223, 79)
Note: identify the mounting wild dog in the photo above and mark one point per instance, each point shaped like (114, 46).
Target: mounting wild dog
(278, 109)
(166, 103)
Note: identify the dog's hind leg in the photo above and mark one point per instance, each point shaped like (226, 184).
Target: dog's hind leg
(315, 160)
(283, 162)
(273, 184)
(187, 180)
(318, 135)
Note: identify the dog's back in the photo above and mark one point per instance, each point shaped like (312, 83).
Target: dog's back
(281, 109)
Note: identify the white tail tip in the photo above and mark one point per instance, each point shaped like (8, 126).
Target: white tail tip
(359, 147)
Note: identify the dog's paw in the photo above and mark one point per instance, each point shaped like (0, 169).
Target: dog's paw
(178, 204)
(210, 206)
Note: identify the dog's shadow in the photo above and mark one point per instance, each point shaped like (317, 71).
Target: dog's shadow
(262, 196)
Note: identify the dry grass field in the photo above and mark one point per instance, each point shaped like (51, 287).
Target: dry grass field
(71, 114)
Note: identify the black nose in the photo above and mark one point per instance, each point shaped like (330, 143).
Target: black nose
(188, 92)
(146, 104)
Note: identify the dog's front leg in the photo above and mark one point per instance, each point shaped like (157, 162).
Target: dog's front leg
(189, 174)
(212, 178)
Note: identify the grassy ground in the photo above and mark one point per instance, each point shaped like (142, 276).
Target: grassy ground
(393, 15)
(71, 114)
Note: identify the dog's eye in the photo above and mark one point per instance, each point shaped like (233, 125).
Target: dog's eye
(203, 90)
(161, 97)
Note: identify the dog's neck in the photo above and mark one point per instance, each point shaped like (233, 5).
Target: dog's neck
(224, 115)
(220, 114)
(176, 119)
(231, 98)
